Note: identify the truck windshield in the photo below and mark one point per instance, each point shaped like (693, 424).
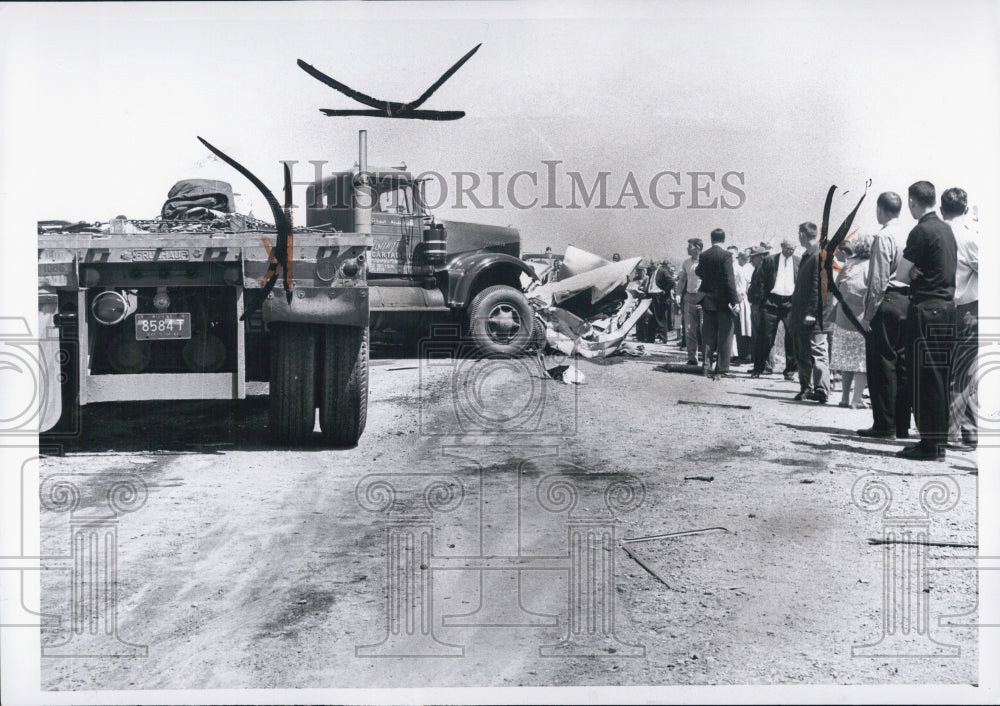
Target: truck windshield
(394, 198)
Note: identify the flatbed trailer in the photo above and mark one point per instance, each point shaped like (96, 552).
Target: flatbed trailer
(171, 310)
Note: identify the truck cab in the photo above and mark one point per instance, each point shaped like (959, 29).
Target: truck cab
(419, 267)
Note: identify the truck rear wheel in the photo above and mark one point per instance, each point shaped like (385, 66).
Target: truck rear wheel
(343, 403)
(293, 382)
(500, 321)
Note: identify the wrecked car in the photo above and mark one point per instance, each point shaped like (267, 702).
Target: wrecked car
(593, 305)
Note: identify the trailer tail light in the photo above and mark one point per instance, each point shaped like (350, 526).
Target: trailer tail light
(111, 307)
(326, 270)
(161, 300)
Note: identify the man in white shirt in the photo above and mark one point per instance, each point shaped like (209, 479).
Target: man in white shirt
(963, 432)
(886, 304)
(687, 287)
(779, 274)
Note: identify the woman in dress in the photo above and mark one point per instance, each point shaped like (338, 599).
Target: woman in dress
(848, 354)
(742, 272)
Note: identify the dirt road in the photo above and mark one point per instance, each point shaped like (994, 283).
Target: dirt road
(479, 523)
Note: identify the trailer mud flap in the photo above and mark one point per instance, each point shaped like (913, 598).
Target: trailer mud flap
(50, 388)
(345, 306)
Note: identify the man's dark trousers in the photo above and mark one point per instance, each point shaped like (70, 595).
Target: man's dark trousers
(717, 334)
(774, 309)
(964, 394)
(930, 335)
(887, 363)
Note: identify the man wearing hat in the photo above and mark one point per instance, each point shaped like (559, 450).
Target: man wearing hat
(780, 272)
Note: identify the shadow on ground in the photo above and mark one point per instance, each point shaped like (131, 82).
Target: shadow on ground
(193, 426)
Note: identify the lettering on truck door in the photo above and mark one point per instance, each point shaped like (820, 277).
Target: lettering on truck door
(391, 251)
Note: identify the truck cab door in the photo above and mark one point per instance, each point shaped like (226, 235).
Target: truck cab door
(386, 257)
(396, 230)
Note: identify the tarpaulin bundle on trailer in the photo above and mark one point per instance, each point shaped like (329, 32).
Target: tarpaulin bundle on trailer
(198, 200)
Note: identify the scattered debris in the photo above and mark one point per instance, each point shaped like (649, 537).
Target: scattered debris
(873, 540)
(567, 374)
(910, 474)
(807, 480)
(682, 533)
(633, 350)
(707, 479)
(680, 368)
(714, 404)
(644, 565)
(67, 227)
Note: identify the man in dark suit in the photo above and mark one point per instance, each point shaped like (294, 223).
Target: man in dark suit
(810, 320)
(665, 280)
(779, 273)
(929, 263)
(720, 301)
(658, 283)
(756, 294)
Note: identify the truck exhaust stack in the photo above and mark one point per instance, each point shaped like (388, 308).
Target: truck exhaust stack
(363, 192)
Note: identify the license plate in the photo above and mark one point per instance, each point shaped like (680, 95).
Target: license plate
(162, 326)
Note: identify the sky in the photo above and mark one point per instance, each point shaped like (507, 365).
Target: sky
(101, 105)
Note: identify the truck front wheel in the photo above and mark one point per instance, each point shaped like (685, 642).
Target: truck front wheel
(500, 321)
(343, 404)
(293, 382)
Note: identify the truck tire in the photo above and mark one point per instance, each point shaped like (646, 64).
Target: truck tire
(500, 321)
(343, 393)
(293, 382)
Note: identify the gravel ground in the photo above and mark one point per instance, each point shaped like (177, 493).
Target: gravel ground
(249, 566)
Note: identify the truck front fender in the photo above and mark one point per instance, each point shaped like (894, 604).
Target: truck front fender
(470, 273)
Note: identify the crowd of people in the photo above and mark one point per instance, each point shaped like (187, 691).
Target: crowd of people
(904, 326)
